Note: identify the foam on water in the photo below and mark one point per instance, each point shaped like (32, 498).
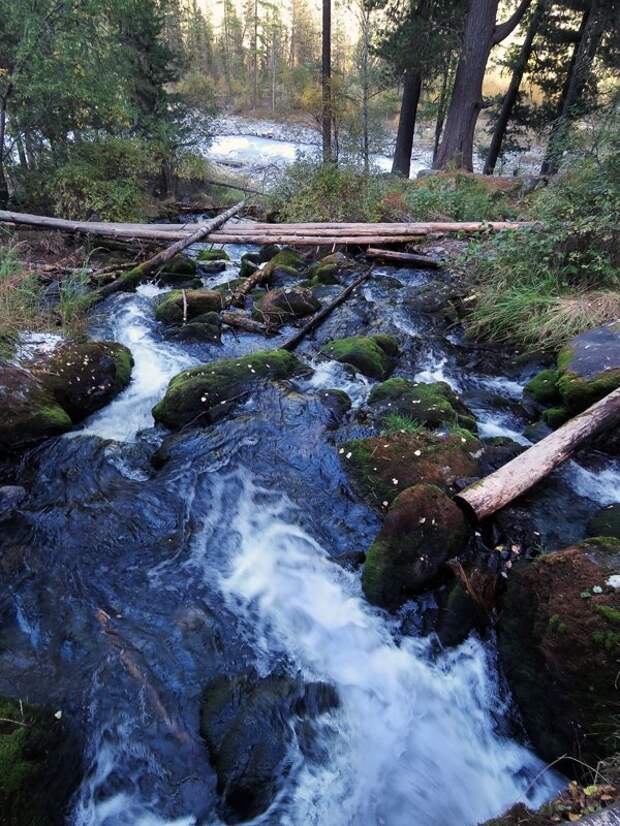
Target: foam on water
(601, 486)
(414, 737)
(333, 375)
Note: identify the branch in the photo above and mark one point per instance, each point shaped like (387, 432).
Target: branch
(502, 30)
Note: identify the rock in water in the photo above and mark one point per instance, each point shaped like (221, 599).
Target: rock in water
(176, 304)
(284, 305)
(11, 497)
(422, 531)
(28, 410)
(206, 393)
(434, 405)
(559, 640)
(85, 376)
(374, 356)
(606, 522)
(247, 722)
(40, 766)
(215, 254)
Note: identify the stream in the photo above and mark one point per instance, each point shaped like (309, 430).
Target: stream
(141, 584)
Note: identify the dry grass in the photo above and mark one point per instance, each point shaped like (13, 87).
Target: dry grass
(568, 316)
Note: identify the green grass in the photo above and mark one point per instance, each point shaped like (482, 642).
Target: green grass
(403, 424)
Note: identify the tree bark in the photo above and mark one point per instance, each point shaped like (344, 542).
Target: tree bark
(481, 34)
(581, 66)
(326, 81)
(446, 82)
(421, 261)
(520, 474)
(510, 98)
(4, 188)
(406, 123)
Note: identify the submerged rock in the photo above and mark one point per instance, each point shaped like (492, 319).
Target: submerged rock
(11, 497)
(381, 467)
(606, 522)
(283, 305)
(28, 410)
(423, 529)
(433, 405)
(85, 376)
(247, 722)
(206, 393)
(190, 304)
(215, 254)
(559, 640)
(40, 766)
(374, 356)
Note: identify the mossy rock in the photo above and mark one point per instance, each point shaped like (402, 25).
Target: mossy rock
(556, 416)
(606, 522)
(206, 327)
(543, 388)
(213, 255)
(40, 766)
(590, 367)
(374, 356)
(434, 405)
(83, 377)
(381, 467)
(287, 258)
(284, 305)
(179, 282)
(324, 274)
(267, 252)
(206, 393)
(170, 310)
(559, 640)
(179, 265)
(423, 529)
(249, 264)
(28, 410)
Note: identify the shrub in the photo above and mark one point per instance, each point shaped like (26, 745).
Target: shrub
(458, 197)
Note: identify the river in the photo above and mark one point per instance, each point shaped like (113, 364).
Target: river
(143, 582)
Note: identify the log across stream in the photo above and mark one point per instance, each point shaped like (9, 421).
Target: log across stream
(227, 556)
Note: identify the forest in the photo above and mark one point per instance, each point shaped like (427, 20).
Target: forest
(309, 412)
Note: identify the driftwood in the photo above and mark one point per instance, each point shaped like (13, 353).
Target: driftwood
(521, 473)
(248, 285)
(244, 323)
(421, 261)
(137, 274)
(322, 314)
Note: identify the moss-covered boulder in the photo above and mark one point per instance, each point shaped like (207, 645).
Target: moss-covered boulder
(284, 305)
(206, 327)
(434, 405)
(606, 522)
(374, 356)
(40, 766)
(249, 264)
(423, 529)
(543, 388)
(174, 305)
(381, 467)
(28, 410)
(85, 376)
(248, 723)
(206, 393)
(325, 275)
(559, 639)
(215, 254)
(179, 265)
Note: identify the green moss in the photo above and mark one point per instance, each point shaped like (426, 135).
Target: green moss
(170, 310)
(556, 416)
(611, 614)
(609, 640)
(606, 522)
(207, 392)
(214, 255)
(249, 264)
(433, 405)
(579, 393)
(124, 365)
(287, 258)
(324, 274)
(371, 355)
(180, 265)
(544, 387)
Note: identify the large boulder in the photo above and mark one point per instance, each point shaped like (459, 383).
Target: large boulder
(606, 522)
(206, 393)
(40, 766)
(284, 305)
(423, 529)
(587, 369)
(206, 327)
(435, 405)
(85, 376)
(178, 306)
(381, 467)
(374, 356)
(559, 640)
(214, 254)
(28, 410)
(180, 273)
(247, 722)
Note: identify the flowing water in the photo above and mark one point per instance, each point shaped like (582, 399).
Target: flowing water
(140, 584)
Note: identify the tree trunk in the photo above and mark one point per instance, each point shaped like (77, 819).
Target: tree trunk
(326, 81)
(4, 187)
(520, 474)
(446, 83)
(510, 98)
(591, 32)
(255, 51)
(481, 34)
(406, 123)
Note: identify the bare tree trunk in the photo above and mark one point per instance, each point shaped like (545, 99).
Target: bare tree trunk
(326, 81)
(4, 187)
(446, 83)
(255, 53)
(510, 98)
(406, 123)
(481, 34)
(365, 24)
(581, 66)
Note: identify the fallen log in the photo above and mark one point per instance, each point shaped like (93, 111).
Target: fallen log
(238, 296)
(322, 314)
(242, 322)
(520, 474)
(416, 260)
(137, 274)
